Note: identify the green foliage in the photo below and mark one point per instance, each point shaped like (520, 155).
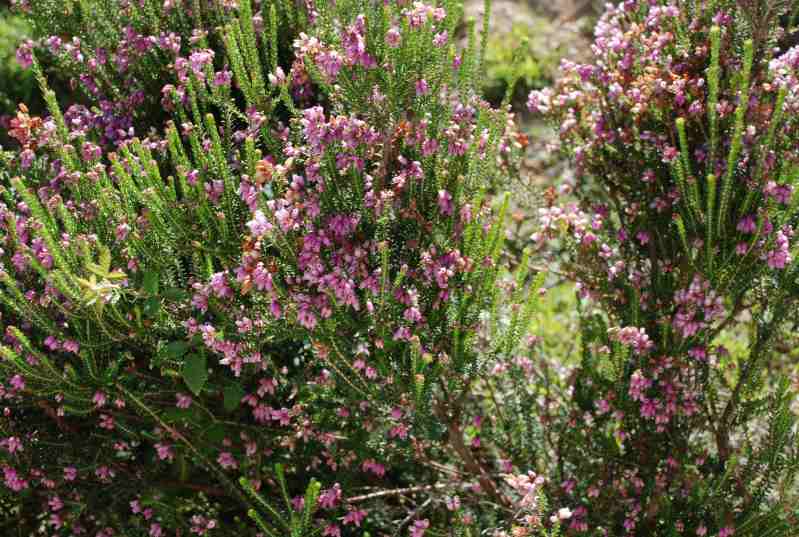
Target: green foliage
(524, 56)
(16, 84)
(195, 372)
(674, 382)
(168, 268)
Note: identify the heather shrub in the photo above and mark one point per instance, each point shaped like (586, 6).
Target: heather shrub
(682, 132)
(117, 56)
(276, 303)
(255, 281)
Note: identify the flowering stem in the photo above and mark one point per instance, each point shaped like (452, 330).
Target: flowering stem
(713, 93)
(737, 137)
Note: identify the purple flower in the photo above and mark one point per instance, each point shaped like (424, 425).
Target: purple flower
(419, 527)
(25, 54)
(198, 61)
(780, 257)
(222, 78)
(747, 224)
(355, 516)
(259, 225)
(422, 88)
(227, 461)
(445, 202)
(393, 37)
(670, 154)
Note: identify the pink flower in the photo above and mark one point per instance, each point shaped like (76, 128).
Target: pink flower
(635, 337)
(25, 54)
(164, 451)
(17, 382)
(70, 473)
(222, 78)
(419, 527)
(104, 473)
(330, 497)
(306, 317)
(183, 400)
(370, 465)
(278, 77)
(453, 503)
(281, 416)
(122, 231)
(445, 202)
(56, 521)
(332, 530)
(422, 88)
(192, 177)
(780, 257)
(91, 152)
(393, 37)
(259, 225)
(13, 480)
(99, 399)
(227, 461)
(399, 431)
(747, 224)
(670, 154)
(355, 516)
(55, 503)
(11, 444)
(106, 422)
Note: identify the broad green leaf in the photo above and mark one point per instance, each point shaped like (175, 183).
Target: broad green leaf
(175, 349)
(195, 373)
(233, 394)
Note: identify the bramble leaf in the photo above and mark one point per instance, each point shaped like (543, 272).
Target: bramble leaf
(195, 373)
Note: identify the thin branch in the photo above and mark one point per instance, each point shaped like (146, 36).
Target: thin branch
(411, 515)
(400, 492)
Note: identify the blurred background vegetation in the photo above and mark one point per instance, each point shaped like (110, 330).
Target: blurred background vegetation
(16, 85)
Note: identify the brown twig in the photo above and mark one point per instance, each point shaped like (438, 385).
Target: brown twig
(455, 437)
(412, 515)
(208, 489)
(396, 492)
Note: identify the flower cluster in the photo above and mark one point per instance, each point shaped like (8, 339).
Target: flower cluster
(310, 255)
(681, 130)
